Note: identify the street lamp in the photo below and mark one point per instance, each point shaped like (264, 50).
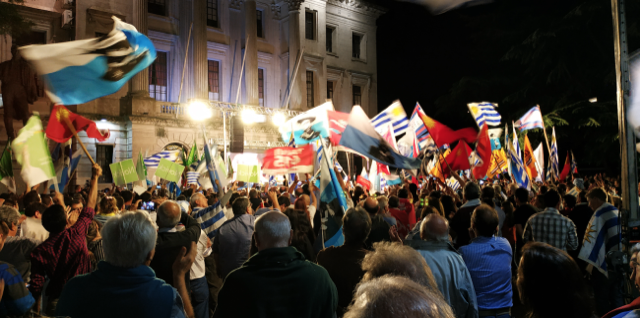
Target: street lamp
(248, 116)
(278, 119)
(199, 111)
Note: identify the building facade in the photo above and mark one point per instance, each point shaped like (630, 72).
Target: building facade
(232, 54)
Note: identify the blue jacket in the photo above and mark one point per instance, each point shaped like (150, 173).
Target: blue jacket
(16, 299)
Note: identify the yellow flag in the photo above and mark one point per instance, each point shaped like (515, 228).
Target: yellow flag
(498, 163)
(529, 159)
(440, 167)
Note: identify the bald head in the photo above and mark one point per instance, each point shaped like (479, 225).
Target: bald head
(434, 228)
(272, 230)
(371, 205)
(168, 214)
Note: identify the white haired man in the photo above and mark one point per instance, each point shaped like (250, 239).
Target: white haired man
(287, 284)
(124, 285)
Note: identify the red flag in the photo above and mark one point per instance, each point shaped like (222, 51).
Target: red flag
(283, 160)
(458, 159)
(483, 150)
(566, 169)
(443, 135)
(337, 123)
(58, 131)
(363, 182)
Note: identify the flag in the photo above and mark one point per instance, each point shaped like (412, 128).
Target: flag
(443, 135)
(539, 161)
(333, 204)
(529, 159)
(281, 160)
(141, 169)
(32, 153)
(440, 166)
(602, 235)
(361, 136)
(80, 71)
(499, 163)
(418, 127)
(458, 158)
(192, 157)
(6, 169)
(566, 169)
(483, 153)
(363, 180)
(506, 147)
(337, 123)
(308, 126)
(518, 172)
(211, 167)
(531, 120)
(574, 163)
(494, 135)
(154, 160)
(453, 184)
(192, 177)
(553, 157)
(395, 115)
(64, 174)
(221, 169)
(343, 173)
(58, 131)
(485, 113)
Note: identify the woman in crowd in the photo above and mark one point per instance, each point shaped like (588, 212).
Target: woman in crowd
(303, 237)
(94, 243)
(107, 208)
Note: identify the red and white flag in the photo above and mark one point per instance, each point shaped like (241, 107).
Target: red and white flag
(282, 160)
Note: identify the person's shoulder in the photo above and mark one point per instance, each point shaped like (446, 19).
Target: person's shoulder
(327, 252)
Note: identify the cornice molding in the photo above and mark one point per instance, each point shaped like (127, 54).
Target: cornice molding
(359, 6)
(236, 4)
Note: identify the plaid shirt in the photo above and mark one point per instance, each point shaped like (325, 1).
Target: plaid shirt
(61, 257)
(551, 227)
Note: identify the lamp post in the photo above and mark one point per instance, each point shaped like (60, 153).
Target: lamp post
(199, 111)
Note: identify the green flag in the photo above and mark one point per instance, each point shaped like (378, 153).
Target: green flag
(6, 169)
(169, 170)
(32, 153)
(141, 168)
(123, 172)
(248, 173)
(193, 156)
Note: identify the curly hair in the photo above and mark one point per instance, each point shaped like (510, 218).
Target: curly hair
(108, 205)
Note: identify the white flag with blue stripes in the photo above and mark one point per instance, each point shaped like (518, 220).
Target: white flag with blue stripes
(154, 160)
(395, 115)
(602, 235)
(485, 113)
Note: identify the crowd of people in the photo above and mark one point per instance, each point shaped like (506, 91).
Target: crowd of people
(415, 250)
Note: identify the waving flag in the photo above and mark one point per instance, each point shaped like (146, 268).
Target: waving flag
(360, 136)
(439, 166)
(574, 163)
(32, 152)
(539, 161)
(484, 153)
(529, 159)
(281, 160)
(518, 171)
(602, 235)
(6, 169)
(64, 174)
(337, 124)
(333, 204)
(458, 159)
(531, 120)
(192, 157)
(80, 71)
(192, 177)
(418, 127)
(58, 131)
(453, 184)
(567, 168)
(154, 160)
(485, 113)
(553, 157)
(395, 115)
(211, 168)
(443, 135)
(308, 126)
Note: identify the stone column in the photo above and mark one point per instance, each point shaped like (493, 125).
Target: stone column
(184, 26)
(251, 51)
(297, 83)
(200, 64)
(140, 82)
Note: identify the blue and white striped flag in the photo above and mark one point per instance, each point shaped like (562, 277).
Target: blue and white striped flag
(453, 184)
(531, 120)
(553, 158)
(154, 160)
(485, 113)
(395, 115)
(417, 125)
(602, 236)
(192, 177)
(518, 172)
(333, 205)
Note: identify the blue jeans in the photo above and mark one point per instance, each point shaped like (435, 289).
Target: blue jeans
(200, 297)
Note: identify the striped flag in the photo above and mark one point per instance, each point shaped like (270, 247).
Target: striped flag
(453, 184)
(531, 120)
(517, 167)
(602, 236)
(417, 125)
(485, 113)
(192, 177)
(574, 163)
(154, 160)
(553, 158)
(395, 115)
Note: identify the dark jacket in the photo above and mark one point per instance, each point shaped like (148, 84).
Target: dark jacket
(344, 264)
(278, 282)
(461, 222)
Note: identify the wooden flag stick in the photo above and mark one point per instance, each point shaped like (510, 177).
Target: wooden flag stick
(65, 118)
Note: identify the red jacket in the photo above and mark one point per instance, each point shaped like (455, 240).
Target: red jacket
(631, 306)
(405, 214)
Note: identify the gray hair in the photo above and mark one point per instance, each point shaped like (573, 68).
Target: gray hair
(165, 218)
(128, 238)
(383, 202)
(273, 228)
(194, 198)
(9, 215)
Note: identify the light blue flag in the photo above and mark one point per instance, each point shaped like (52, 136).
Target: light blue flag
(333, 205)
(64, 174)
(485, 113)
(602, 235)
(518, 171)
(80, 71)
(210, 167)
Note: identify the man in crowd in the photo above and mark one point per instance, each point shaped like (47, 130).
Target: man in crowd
(379, 228)
(580, 215)
(17, 249)
(461, 221)
(198, 283)
(551, 227)
(232, 243)
(124, 285)
(344, 262)
(300, 289)
(32, 225)
(404, 213)
(521, 215)
(383, 203)
(448, 268)
(64, 254)
(488, 258)
(127, 196)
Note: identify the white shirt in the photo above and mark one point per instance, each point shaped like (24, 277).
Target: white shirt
(312, 213)
(32, 228)
(197, 269)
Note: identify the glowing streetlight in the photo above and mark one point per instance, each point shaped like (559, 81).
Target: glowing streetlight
(248, 116)
(278, 119)
(199, 111)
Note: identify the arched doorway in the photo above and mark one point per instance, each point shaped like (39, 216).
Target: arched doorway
(180, 148)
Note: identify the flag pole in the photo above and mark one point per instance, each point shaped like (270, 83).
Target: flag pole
(65, 117)
(242, 70)
(544, 131)
(184, 66)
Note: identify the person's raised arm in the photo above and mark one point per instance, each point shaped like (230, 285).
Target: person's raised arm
(313, 189)
(181, 267)
(293, 184)
(273, 195)
(93, 189)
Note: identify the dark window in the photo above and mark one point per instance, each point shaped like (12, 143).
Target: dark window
(309, 25)
(156, 7)
(104, 157)
(212, 13)
(329, 40)
(355, 42)
(260, 83)
(158, 77)
(260, 25)
(310, 102)
(214, 80)
(330, 90)
(357, 95)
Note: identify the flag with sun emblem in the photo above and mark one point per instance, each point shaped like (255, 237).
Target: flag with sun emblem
(602, 236)
(485, 113)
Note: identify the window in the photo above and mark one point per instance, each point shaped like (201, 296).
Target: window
(104, 157)
(260, 24)
(310, 102)
(158, 77)
(356, 39)
(212, 13)
(214, 80)
(357, 95)
(261, 86)
(309, 25)
(330, 39)
(156, 7)
(329, 90)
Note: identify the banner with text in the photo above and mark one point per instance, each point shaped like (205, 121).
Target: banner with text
(124, 172)
(169, 170)
(248, 173)
(281, 160)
